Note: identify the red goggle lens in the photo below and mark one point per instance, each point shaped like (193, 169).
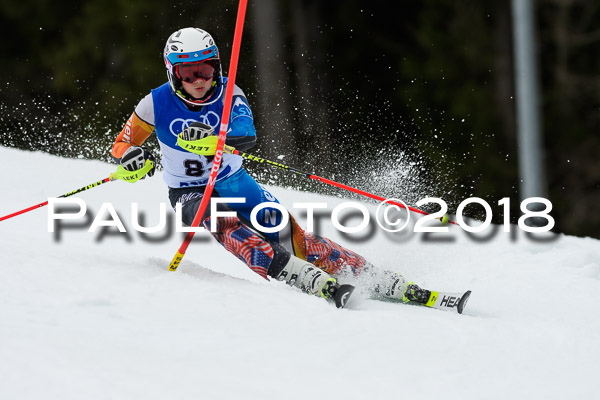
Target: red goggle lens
(190, 72)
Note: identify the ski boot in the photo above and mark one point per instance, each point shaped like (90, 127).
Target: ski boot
(315, 281)
(392, 285)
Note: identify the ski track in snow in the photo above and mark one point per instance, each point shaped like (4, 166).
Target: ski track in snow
(91, 317)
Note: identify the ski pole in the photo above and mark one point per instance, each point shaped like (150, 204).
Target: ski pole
(231, 150)
(121, 173)
(235, 51)
(111, 177)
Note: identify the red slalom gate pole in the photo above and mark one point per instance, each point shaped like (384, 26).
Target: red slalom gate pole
(235, 52)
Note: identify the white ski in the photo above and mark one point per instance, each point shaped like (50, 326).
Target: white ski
(448, 301)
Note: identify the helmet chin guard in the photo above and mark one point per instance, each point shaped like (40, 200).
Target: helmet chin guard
(192, 45)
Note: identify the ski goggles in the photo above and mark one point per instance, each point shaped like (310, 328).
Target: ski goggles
(190, 72)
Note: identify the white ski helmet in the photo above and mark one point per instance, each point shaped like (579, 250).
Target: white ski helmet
(191, 46)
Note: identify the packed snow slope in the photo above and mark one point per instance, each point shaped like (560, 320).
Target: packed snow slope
(98, 315)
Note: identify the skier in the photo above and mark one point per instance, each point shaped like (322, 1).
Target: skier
(188, 108)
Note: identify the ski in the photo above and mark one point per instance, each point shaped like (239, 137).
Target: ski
(448, 301)
(342, 295)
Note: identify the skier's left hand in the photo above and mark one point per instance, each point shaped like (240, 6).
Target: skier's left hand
(196, 131)
(204, 147)
(198, 138)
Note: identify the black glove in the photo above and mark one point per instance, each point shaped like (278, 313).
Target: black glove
(197, 131)
(135, 158)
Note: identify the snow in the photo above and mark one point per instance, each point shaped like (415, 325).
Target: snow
(99, 316)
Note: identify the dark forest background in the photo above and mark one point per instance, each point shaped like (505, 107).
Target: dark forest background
(405, 99)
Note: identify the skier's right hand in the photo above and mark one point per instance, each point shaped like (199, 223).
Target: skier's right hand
(135, 158)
